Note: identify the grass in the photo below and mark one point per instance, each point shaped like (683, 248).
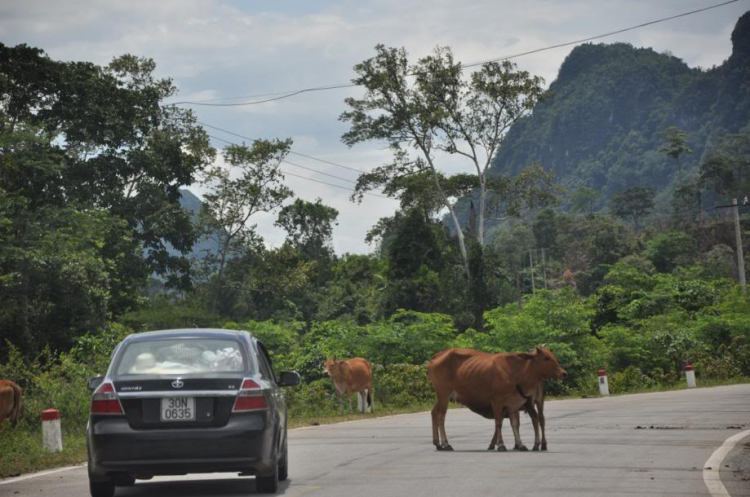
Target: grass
(21, 449)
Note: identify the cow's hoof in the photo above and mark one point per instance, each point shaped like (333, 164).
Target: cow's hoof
(501, 448)
(535, 448)
(521, 448)
(447, 447)
(491, 447)
(544, 446)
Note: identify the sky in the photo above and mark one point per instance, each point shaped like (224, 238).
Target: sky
(221, 49)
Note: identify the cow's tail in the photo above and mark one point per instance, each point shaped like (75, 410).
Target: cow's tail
(15, 413)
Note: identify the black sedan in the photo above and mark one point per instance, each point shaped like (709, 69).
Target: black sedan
(188, 401)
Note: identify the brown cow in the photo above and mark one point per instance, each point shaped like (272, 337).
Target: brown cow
(352, 376)
(492, 385)
(534, 407)
(11, 401)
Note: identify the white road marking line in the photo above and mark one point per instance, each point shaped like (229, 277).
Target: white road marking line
(712, 467)
(41, 473)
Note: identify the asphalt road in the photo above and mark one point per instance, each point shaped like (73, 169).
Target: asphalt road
(653, 444)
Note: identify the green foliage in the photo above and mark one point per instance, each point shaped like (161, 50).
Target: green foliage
(90, 173)
(164, 314)
(631, 379)
(401, 385)
(670, 250)
(233, 200)
(309, 227)
(634, 204)
(282, 340)
(560, 319)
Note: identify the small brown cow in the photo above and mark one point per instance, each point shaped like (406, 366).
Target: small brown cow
(492, 385)
(11, 401)
(352, 376)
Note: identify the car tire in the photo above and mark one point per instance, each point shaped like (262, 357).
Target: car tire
(268, 484)
(102, 488)
(284, 465)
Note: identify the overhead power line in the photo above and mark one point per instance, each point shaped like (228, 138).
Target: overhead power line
(283, 95)
(315, 171)
(604, 35)
(292, 152)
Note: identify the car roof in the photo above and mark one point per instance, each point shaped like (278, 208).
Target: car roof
(187, 333)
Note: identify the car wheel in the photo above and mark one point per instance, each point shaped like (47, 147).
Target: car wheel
(102, 488)
(284, 465)
(268, 484)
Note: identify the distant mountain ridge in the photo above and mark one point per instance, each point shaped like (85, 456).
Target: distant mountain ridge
(599, 127)
(205, 245)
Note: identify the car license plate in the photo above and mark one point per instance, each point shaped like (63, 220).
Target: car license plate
(178, 409)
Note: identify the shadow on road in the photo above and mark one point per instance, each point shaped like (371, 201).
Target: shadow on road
(194, 488)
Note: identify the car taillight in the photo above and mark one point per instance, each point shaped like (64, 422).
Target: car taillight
(105, 401)
(250, 397)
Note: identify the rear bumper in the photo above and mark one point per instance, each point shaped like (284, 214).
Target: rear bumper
(245, 444)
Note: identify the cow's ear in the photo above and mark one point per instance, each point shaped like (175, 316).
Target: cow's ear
(528, 357)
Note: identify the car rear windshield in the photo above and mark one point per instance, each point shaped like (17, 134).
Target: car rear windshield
(182, 356)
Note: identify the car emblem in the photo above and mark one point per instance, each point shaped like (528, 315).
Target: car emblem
(177, 384)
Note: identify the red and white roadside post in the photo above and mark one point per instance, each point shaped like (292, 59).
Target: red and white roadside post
(603, 385)
(690, 376)
(51, 432)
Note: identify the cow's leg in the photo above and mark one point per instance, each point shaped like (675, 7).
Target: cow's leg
(341, 403)
(515, 422)
(349, 396)
(540, 410)
(499, 414)
(435, 435)
(440, 410)
(494, 437)
(534, 421)
(360, 402)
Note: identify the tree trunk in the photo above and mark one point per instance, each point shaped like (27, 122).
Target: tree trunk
(26, 333)
(456, 224)
(482, 196)
(220, 275)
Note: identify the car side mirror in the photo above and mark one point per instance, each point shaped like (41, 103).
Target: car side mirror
(95, 382)
(289, 378)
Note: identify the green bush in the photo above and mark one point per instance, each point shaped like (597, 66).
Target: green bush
(631, 379)
(400, 385)
(317, 398)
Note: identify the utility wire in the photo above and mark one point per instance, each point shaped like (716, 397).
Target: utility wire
(292, 152)
(314, 170)
(294, 164)
(284, 95)
(591, 38)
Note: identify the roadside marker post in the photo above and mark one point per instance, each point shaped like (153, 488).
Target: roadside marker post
(690, 376)
(603, 385)
(51, 432)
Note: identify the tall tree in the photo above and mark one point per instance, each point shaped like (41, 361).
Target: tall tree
(727, 167)
(79, 141)
(233, 200)
(309, 227)
(426, 109)
(634, 204)
(675, 146)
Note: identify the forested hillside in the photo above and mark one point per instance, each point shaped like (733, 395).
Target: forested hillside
(601, 123)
